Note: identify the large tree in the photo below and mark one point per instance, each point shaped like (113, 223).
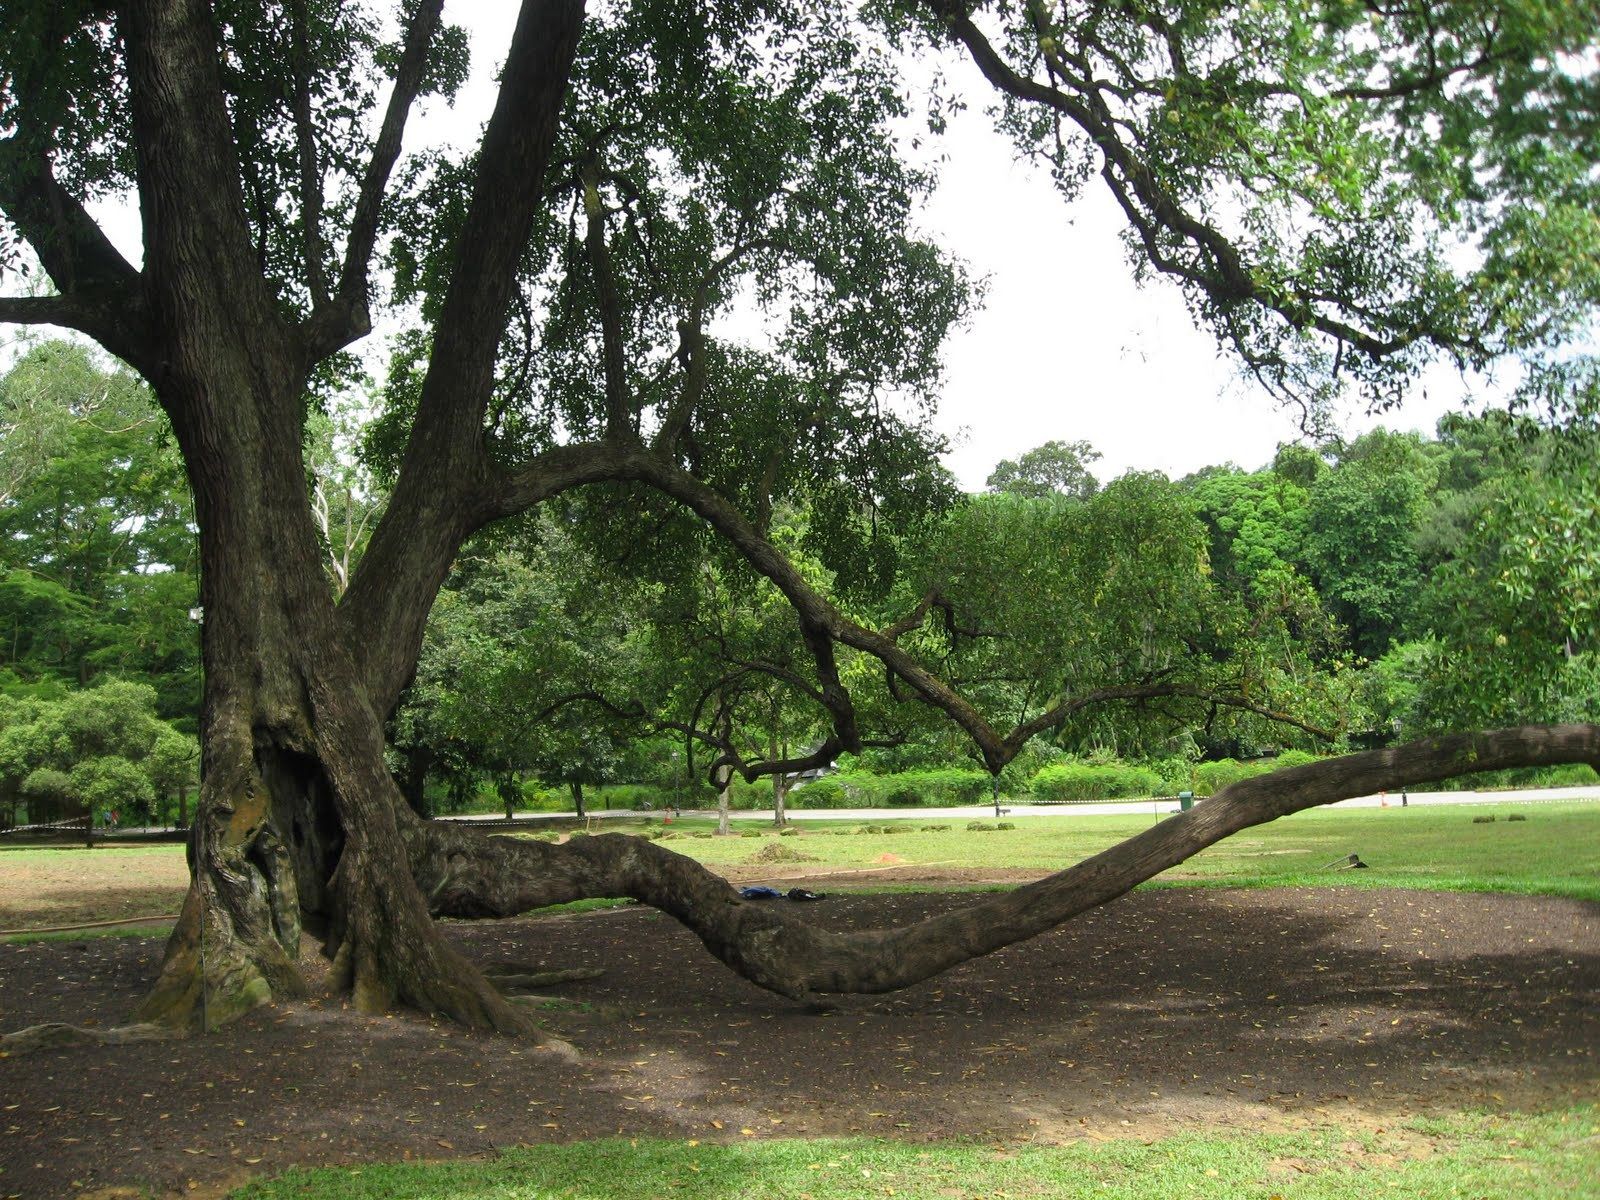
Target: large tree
(1299, 168)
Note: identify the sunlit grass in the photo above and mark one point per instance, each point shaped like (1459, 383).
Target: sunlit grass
(1553, 850)
(1532, 1157)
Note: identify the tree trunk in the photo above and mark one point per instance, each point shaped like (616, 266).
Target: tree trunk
(510, 793)
(296, 817)
(780, 794)
(724, 776)
(414, 779)
(577, 799)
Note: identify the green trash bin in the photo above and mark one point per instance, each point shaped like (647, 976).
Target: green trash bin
(1185, 800)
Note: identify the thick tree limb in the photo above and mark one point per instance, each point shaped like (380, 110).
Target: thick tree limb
(465, 875)
(99, 290)
(346, 316)
(444, 465)
(44, 310)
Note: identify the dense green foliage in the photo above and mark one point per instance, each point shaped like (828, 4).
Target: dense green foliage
(100, 751)
(1379, 589)
(97, 549)
(723, 272)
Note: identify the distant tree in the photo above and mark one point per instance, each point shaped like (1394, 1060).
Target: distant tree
(1360, 548)
(1257, 524)
(1222, 659)
(1060, 468)
(1516, 619)
(526, 647)
(100, 750)
(97, 550)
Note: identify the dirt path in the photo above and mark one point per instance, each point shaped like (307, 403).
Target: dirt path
(1229, 1008)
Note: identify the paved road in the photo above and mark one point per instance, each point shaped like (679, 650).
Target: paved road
(973, 812)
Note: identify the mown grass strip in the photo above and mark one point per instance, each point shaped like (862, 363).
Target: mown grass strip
(1553, 850)
(1542, 1157)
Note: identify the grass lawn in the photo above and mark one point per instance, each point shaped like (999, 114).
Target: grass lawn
(1555, 850)
(1473, 1155)
(73, 886)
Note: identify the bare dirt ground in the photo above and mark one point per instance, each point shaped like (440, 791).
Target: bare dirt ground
(46, 887)
(1255, 1009)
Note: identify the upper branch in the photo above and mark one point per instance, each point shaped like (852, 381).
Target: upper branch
(444, 466)
(310, 172)
(100, 290)
(347, 317)
(692, 347)
(619, 410)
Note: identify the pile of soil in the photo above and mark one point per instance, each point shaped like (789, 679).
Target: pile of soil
(1163, 1011)
(777, 852)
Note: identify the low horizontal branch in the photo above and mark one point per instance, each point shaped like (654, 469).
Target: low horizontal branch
(464, 874)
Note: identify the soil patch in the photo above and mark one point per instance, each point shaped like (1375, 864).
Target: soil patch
(46, 887)
(776, 852)
(1165, 1010)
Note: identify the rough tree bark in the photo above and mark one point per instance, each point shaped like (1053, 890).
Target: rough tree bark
(297, 816)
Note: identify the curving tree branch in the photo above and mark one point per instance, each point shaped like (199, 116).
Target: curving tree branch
(466, 875)
(1220, 270)
(337, 321)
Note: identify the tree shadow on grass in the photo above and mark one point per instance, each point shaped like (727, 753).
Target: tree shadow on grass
(66, 903)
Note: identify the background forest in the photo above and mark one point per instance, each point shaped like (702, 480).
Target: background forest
(1346, 595)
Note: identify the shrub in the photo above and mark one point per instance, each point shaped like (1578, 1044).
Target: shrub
(1212, 777)
(1567, 775)
(862, 789)
(979, 827)
(1095, 781)
(1004, 825)
(789, 831)
(819, 793)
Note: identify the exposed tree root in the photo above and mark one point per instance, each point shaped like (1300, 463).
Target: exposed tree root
(513, 978)
(57, 1035)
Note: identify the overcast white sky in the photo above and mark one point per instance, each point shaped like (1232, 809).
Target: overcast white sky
(1066, 346)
